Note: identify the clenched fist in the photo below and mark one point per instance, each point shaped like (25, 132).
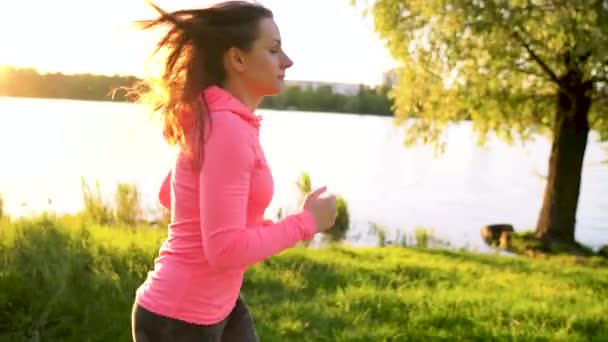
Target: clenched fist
(323, 207)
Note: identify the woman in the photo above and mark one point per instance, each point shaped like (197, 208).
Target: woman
(221, 62)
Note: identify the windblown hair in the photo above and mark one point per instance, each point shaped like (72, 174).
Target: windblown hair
(195, 44)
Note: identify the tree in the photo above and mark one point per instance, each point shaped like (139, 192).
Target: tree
(515, 68)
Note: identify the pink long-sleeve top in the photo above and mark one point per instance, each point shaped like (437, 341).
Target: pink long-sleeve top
(217, 226)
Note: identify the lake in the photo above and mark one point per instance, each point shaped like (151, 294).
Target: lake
(47, 145)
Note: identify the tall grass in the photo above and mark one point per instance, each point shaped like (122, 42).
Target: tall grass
(125, 210)
(128, 209)
(63, 279)
(95, 208)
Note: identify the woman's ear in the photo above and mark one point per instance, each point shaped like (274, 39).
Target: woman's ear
(235, 59)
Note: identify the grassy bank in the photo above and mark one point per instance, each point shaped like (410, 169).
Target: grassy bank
(62, 280)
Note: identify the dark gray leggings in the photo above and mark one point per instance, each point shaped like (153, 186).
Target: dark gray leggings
(151, 327)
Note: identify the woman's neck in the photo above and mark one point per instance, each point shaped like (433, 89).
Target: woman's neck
(239, 91)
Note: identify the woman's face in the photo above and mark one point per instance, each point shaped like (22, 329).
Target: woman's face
(263, 67)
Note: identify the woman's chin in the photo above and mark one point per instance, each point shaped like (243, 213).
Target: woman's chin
(275, 90)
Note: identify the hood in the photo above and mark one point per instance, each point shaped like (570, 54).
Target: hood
(219, 99)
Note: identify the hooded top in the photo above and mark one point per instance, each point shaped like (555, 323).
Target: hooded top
(217, 224)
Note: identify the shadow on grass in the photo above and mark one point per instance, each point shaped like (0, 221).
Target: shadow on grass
(327, 314)
(316, 300)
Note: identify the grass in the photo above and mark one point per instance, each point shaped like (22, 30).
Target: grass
(62, 280)
(525, 243)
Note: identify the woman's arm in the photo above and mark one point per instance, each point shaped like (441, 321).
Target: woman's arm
(224, 196)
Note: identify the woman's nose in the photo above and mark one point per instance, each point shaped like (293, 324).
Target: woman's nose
(287, 62)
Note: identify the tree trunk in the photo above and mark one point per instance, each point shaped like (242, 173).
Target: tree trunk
(557, 218)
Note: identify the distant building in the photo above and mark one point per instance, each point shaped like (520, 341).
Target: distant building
(339, 88)
(390, 78)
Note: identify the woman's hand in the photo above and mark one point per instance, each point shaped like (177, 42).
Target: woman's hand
(323, 208)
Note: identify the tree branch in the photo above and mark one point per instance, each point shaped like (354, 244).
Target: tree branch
(534, 56)
(529, 71)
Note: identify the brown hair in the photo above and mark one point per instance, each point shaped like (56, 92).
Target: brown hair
(195, 44)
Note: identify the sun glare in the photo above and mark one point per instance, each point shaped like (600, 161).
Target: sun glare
(99, 37)
(73, 36)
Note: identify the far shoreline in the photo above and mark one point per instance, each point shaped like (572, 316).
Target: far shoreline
(135, 103)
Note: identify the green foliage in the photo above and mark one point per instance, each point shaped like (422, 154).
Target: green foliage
(29, 83)
(323, 99)
(422, 237)
(60, 281)
(304, 187)
(426, 238)
(128, 210)
(366, 101)
(95, 208)
(497, 63)
(339, 230)
(524, 243)
(1, 206)
(380, 232)
(515, 69)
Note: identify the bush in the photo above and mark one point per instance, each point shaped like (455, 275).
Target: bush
(338, 231)
(304, 187)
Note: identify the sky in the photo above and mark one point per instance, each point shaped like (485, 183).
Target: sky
(329, 40)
